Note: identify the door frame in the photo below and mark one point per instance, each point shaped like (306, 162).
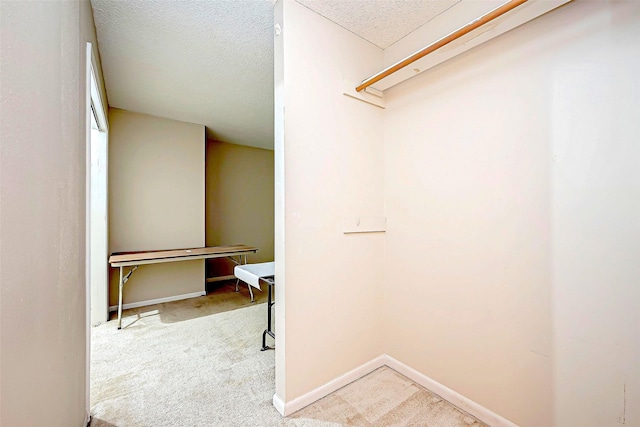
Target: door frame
(94, 106)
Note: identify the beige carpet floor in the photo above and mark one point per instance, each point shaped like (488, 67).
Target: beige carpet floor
(198, 363)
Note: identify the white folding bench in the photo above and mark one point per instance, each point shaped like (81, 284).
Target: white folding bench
(252, 275)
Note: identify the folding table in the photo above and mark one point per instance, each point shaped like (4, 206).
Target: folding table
(237, 253)
(253, 274)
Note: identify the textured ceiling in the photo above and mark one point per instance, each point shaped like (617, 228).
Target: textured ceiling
(206, 62)
(382, 22)
(210, 62)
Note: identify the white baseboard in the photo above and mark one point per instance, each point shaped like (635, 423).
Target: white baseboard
(480, 412)
(475, 409)
(333, 385)
(278, 404)
(157, 301)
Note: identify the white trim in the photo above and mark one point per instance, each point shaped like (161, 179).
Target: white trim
(96, 95)
(157, 301)
(333, 385)
(473, 408)
(278, 404)
(87, 226)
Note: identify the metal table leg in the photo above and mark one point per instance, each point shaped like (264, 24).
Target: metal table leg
(123, 280)
(237, 263)
(270, 303)
(121, 284)
(242, 260)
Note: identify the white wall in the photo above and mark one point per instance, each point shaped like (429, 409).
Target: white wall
(512, 190)
(595, 140)
(156, 200)
(331, 150)
(42, 212)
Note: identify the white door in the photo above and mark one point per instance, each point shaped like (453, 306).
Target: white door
(99, 268)
(97, 247)
(98, 250)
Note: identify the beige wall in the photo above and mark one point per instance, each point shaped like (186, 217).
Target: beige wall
(42, 209)
(239, 201)
(512, 189)
(331, 154)
(156, 200)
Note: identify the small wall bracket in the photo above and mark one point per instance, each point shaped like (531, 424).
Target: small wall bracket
(371, 96)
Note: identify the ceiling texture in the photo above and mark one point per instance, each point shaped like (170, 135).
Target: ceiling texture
(210, 62)
(381, 22)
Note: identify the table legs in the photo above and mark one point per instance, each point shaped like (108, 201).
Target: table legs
(121, 284)
(123, 280)
(270, 303)
(242, 260)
